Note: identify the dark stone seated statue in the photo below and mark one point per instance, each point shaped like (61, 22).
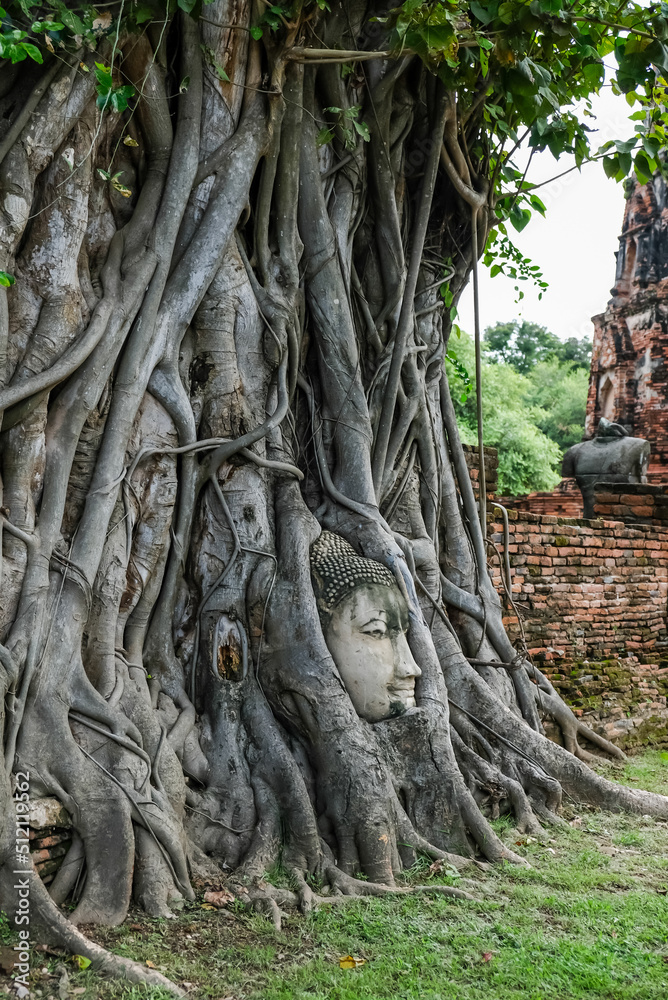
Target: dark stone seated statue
(609, 457)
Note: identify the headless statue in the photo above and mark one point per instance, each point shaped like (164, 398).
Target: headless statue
(609, 457)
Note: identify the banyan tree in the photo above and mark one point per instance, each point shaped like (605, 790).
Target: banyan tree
(245, 607)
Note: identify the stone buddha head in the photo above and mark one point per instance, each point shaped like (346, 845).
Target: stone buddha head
(365, 619)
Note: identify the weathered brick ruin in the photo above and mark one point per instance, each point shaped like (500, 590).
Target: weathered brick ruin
(592, 596)
(629, 368)
(593, 593)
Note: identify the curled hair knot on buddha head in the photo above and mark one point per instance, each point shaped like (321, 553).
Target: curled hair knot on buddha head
(337, 570)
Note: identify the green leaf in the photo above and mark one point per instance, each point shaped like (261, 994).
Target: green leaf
(446, 294)
(256, 32)
(642, 168)
(38, 26)
(362, 129)
(119, 98)
(70, 20)
(32, 51)
(144, 13)
(611, 166)
(519, 217)
(6, 280)
(103, 75)
(484, 13)
(325, 135)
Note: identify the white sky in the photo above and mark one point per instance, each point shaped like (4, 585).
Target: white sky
(574, 244)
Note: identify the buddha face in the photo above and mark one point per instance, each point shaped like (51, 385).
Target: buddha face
(366, 635)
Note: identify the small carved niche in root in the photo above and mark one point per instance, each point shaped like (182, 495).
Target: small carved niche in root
(230, 655)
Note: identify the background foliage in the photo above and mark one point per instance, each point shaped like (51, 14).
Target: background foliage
(534, 391)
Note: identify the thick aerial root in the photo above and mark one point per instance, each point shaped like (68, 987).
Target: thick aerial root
(490, 786)
(433, 787)
(353, 888)
(51, 928)
(571, 727)
(70, 871)
(555, 762)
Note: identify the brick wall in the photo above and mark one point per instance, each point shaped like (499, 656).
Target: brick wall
(491, 468)
(633, 503)
(593, 599)
(50, 836)
(563, 501)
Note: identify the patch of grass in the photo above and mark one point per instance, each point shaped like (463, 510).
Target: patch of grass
(6, 932)
(587, 921)
(648, 770)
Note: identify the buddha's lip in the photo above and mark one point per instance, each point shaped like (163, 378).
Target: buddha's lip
(403, 687)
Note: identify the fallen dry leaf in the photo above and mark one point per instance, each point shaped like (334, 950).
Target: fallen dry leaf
(351, 962)
(102, 21)
(219, 899)
(151, 964)
(662, 892)
(577, 822)
(487, 956)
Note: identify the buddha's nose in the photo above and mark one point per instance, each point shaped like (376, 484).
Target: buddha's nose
(405, 664)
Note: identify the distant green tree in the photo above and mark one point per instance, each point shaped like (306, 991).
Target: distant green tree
(577, 352)
(559, 391)
(523, 345)
(528, 458)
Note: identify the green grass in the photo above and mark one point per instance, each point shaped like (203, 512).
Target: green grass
(588, 921)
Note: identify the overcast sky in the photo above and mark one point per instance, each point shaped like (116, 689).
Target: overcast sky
(574, 244)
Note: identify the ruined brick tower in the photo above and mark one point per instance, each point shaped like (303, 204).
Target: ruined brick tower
(629, 369)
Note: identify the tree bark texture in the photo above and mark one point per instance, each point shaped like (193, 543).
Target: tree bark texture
(198, 374)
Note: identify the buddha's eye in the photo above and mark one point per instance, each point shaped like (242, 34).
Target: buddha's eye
(377, 629)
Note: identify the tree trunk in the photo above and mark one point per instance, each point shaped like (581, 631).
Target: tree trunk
(204, 364)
